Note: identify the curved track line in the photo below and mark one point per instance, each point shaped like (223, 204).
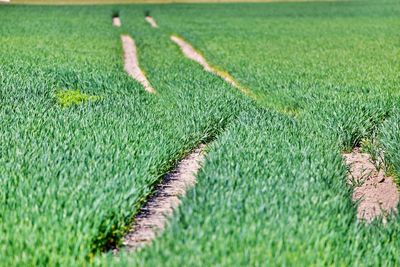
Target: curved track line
(151, 21)
(191, 53)
(153, 217)
(131, 65)
(378, 194)
(116, 21)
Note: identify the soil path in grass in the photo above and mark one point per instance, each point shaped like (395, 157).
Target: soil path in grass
(377, 194)
(153, 217)
(116, 21)
(191, 53)
(132, 63)
(151, 21)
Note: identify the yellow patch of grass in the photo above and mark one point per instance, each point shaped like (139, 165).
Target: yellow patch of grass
(67, 98)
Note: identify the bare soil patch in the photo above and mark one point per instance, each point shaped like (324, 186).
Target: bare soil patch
(116, 21)
(132, 64)
(153, 217)
(151, 21)
(377, 194)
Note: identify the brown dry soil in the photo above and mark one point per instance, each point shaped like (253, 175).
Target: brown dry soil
(376, 193)
(153, 217)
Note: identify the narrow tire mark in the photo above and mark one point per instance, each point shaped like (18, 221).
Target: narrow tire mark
(131, 64)
(153, 217)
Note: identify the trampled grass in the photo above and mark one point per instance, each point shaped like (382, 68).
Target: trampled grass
(273, 189)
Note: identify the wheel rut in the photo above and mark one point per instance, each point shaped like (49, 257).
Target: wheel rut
(151, 21)
(153, 216)
(131, 63)
(116, 21)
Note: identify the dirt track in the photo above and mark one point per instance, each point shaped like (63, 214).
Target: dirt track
(132, 64)
(151, 21)
(153, 217)
(116, 22)
(191, 53)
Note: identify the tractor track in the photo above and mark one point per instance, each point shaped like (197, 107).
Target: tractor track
(153, 216)
(191, 53)
(151, 21)
(131, 63)
(116, 21)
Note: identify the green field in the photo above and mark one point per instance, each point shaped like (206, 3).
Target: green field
(273, 189)
(86, 2)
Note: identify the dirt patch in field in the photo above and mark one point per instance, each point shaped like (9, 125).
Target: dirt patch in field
(151, 21)
(116, 21)
(377, 194)
(191, 53)
(131, 65)
(153, 217)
